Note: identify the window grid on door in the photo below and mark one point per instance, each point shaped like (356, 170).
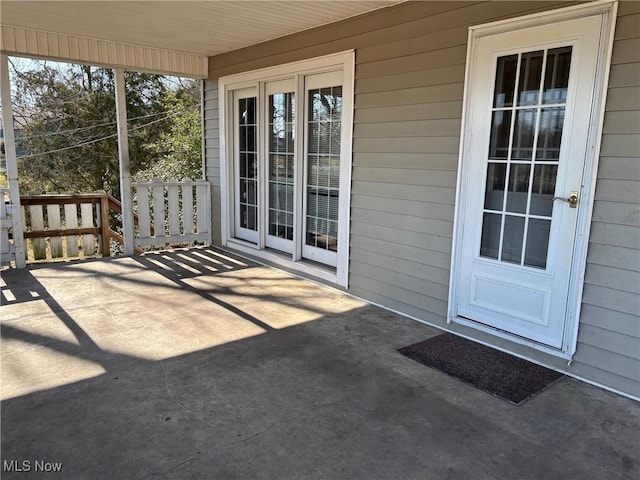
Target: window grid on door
(248, 163)
(524, 151)
(281, 164)
(323, 167)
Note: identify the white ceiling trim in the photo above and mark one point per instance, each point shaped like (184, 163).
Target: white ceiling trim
(70, 48)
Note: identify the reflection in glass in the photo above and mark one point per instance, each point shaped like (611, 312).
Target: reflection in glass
(523, 159)
(494, 193)
(537, 243)
(505, 81)
(530, 74)
(499, 140)
(248, 163)
(518, 187)
(323, 167)
(512, 240)
(281, 161)
(556, 77)
(550, 133)
(524, 130)
(490, 242)
(544, 185)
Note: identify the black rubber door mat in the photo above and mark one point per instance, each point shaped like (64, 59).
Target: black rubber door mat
(508, 377)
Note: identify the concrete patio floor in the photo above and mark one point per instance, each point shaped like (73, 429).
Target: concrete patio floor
(200, 365)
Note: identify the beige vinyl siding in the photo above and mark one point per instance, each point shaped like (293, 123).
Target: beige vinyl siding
(409, 80)
(609, 335)
(212, 151)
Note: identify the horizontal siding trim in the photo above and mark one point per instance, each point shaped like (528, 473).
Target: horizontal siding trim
(405, 223)
(421, 254)
(620, 191)
(625, 51)
(402, 192)
(410, 96)
(619, 322)
(431, 246)
(411, 161)
(414, 128)
(617, 213)
(611, 299)
(421, 110)
(421, 78)
(619, 168)
(604, 377)
(411, 63)
(616, 278)
(406, 176)
(625, 75)
(402, 145)
(607, 340)
(623, 98)
(617, 145)
(415, 208)
(614, 256)
(616, 235)
(427, 42)
(410, 283)
(608, 361)
(394, 303)
(626, 26)
(622, 122)
(434, 275)
(423, 302)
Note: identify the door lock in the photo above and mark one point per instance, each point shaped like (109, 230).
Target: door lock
(572, 200)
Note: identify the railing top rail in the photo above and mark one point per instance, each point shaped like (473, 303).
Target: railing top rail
(178, 183)
(62, 198)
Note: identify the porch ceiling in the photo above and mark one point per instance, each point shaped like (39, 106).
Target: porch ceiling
(63, 29)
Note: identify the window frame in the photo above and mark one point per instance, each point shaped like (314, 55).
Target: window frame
(343, 62)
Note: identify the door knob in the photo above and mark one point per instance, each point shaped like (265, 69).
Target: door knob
(572, 200)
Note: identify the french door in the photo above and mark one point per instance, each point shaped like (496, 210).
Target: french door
(531, 111)
(245, 148)
(286, 164)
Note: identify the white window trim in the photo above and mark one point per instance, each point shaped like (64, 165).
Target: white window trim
(344, 61)
(608, 9)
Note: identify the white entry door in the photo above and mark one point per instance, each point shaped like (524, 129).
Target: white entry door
(529, 121)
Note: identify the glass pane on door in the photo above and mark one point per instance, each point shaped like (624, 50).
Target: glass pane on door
(248, 163)
(281, 164)
(530, 92)
(323, 167)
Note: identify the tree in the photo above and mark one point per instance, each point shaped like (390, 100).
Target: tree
(69, 126)
(178, 150)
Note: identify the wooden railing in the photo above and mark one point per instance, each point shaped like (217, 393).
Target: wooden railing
(66, 225)
(59, 226)
(180, 210)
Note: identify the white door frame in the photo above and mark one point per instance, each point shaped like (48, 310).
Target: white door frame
(607, 9)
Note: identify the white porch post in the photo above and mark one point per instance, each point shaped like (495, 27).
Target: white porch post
(123, 153)
(12, 163)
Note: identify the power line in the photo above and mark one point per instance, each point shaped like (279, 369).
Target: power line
(91, 142)
(79, 129)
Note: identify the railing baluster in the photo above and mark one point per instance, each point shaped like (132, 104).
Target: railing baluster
(144, 220)
(174, 209)
(187, 206)
(71, 221)
(88, 241)
(158, 208)
(37, 224)
(53, 222)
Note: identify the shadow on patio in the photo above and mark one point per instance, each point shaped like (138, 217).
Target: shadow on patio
(198, 364)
